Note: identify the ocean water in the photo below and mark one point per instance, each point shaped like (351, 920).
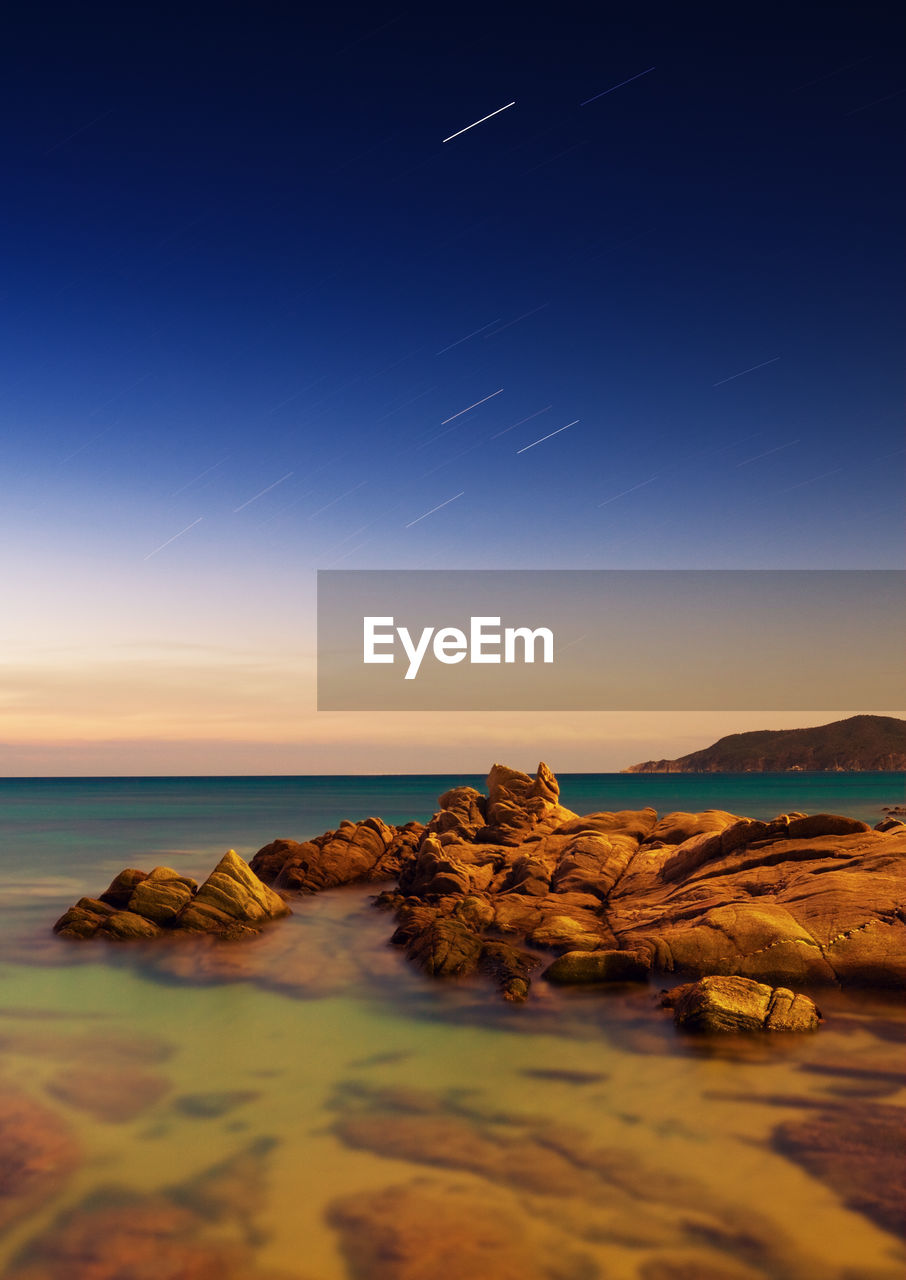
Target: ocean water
(339, 1117)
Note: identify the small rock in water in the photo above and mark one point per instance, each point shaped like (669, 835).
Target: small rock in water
(740, 1004)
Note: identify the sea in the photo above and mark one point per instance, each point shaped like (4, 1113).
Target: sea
(359, 1121)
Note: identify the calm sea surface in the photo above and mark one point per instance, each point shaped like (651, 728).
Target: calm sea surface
(323, 1021)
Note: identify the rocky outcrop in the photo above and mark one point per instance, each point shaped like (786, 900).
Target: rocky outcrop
(863, 743)
(491, 886)
(231, 903)
(797, 901)
(739, 1004)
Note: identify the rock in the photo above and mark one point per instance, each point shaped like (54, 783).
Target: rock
(810, 910)
(231, 903)
(674, 828)
(422, 1231)
(739, 1004)
(433, 872)
(637, 824)
(122, 887)
(113, 1093)
(126, 926)
(84, 919)
(519, 805)
(38, 1156)
(161, 895)
(563, 933)
(824, 824)
(445, 948)
(135, 1238)
(592, 862)
(856, 1150)
(527, 875)
(509, 967)
(474, 912)
(600, 1194)
(461, 810)
(231, 894)
(355, 853)
(579, 967)
(795, 902)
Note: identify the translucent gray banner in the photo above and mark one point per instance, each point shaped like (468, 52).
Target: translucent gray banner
(611, 639)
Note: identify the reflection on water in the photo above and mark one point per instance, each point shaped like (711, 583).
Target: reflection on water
(347, 1118)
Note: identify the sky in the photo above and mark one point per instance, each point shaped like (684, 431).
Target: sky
(259, 317)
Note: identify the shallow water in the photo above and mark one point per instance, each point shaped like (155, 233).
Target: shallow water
(608, 1143)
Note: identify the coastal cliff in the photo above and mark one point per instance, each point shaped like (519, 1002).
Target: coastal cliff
(865, 744)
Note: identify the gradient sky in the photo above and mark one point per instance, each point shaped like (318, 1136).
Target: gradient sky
(246, 284)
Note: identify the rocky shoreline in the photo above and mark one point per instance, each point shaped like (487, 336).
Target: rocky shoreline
(512, 885)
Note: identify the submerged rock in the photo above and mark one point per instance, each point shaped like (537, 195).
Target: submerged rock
(114, 1092)
(230, 903)
(38, 1155)
(421, 1230)
(856, 1150)
(739, 1004)
(554, 1173)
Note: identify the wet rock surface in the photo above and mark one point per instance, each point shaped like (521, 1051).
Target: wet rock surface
(739, 1004)
(231, 903)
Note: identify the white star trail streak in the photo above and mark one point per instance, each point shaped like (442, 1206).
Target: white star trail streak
(471, 406)
(433, 509)
(773, 360)
(261, 494)
(536, 414)
(613, 87)
(641, 485)
(460, 341)
(526, 448)
(173, 539)
(481, 121)
(767, 453)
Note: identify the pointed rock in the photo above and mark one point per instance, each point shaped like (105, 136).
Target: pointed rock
(232, 894)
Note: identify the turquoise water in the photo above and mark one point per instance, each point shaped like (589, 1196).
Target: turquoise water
(345, 1073)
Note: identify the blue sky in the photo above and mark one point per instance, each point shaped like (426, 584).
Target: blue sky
(242, 268)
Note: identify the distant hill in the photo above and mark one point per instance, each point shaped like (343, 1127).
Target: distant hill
(863, 743)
